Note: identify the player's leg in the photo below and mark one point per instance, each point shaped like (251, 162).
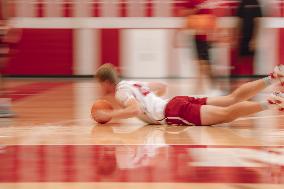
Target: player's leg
(244, 92)
(204, 68)
(1, 84)
(5, 103)
(211, 115)
(249, 90)
(3, 60)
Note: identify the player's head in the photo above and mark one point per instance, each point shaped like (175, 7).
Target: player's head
(108, 78)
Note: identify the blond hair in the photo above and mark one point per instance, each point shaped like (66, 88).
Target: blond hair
(107, 72)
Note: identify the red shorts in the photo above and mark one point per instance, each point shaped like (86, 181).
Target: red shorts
(184, 110)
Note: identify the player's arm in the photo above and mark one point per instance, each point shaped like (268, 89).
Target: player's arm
(13, 35)
(191, 9)
(131, 109)
(187, 11)
(184, 11)
(159, 89)
(256, 31)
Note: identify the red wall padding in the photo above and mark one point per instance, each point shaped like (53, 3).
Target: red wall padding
(281, 46)
(110, 41)
(43, 52)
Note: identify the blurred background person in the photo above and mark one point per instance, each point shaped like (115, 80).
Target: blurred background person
(200, 19)
(245, 36)
(7, 37)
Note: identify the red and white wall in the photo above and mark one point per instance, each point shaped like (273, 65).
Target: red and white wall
(63, 37)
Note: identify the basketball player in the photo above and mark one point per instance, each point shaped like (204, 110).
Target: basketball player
(143, 100)
(245, 36)
(5, 104)
(201, 38)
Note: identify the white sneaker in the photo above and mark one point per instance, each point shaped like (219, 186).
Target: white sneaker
(5, 108)
(278, 73)
(7, 113)
(276, 101)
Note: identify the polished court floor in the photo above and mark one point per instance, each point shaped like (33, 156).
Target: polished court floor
(53, 144)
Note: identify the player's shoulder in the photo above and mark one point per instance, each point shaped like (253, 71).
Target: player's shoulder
(124, 86)
(124, 91)
(128, 83)
(122, 82)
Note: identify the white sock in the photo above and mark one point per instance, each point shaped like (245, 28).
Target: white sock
(269, 80)
(265, 105)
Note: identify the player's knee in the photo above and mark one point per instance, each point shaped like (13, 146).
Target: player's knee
(227, 115)
(234, 98)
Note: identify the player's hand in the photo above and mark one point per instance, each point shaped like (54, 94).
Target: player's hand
(252, 45)
(103, 115)
(13, 35)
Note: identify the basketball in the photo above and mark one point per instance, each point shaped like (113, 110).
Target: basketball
(100, 105)
(201, 22)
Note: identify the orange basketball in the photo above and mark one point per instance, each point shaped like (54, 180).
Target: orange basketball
(100, 105)
(201, 22)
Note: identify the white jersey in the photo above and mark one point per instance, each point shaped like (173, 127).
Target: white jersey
(151, 105)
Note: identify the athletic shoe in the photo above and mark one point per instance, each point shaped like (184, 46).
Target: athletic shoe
(276, 101)
(5, 108)
(278, 74)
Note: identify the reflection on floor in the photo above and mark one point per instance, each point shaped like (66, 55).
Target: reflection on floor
(53, 143)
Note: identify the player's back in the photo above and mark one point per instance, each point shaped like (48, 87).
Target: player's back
(151, 105)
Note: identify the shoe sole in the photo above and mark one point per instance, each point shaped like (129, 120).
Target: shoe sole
(279, 72)
(7, 115)
(277, 100)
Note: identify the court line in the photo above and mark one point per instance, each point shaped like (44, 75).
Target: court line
(123, 22)
(90, 120)
(185, 128)
(32, 89)
(259, 117)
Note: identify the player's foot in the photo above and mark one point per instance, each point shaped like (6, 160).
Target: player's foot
(6, 113)
(5, 108)
(278, 74)
(276, 101)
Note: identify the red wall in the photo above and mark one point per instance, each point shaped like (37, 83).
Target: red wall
(43, 52)
(110, 41)
(281, 46)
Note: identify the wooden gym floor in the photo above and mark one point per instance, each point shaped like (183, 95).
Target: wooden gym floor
(53, 144)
